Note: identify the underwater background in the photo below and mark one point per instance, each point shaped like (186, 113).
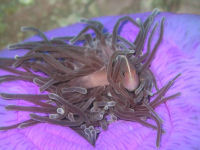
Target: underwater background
(49, 14)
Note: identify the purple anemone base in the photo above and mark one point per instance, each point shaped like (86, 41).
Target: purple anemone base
(179, 52)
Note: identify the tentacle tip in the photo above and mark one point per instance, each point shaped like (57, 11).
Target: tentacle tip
(179, 74)
(83, 20)
(8, 107)
(23, 28)
(156, 11)
(32, 116)
(35, 81)
(10, 46)
(51, 95)
(71, 42)
(178, 94)
(3, 96)
(14, 65)
(53, 116)
(158, 145)
(21, 126)
(163, 20)
(42, 89)
(3, 128)
(60, 111)
(138, 20)
(16, 57)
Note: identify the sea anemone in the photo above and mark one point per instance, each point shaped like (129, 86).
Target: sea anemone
(90, 81)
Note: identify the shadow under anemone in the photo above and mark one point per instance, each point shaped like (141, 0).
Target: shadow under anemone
(91, 81)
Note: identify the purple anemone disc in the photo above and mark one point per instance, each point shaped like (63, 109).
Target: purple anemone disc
(179, 52)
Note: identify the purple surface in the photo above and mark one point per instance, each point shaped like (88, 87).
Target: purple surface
(179, 52)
